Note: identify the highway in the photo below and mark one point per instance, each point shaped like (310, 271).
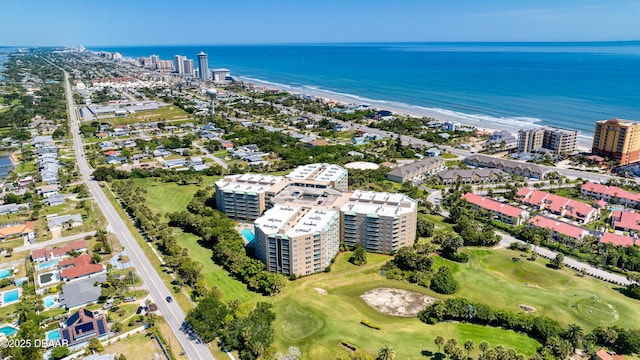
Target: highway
(172, 312)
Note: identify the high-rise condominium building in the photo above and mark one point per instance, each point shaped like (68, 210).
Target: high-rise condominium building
(618, 140)
(178, 63)
(203, 66)
(332, 175)
(245, 197)
(220, 75)
(294, 240)
(379, 222)
(188, 67)
(155, 59)
(560, 141)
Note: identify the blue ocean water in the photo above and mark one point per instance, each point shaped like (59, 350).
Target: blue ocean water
(508, 85)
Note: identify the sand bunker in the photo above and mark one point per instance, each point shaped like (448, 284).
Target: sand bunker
(527, 308)
(321, 291)
(397, 302)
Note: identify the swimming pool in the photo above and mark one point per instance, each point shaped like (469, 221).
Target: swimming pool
(248, 234)
(53, 335)
(48, 264)
(8, 330)
(10, 296)
(5, 273)
(49, 301)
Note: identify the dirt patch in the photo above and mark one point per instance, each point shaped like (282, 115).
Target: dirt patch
(397, 302)
(527, 308)
(321, 291)
(531, 285)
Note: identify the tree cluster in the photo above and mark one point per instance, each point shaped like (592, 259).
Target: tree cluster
(218, 233)
(414, 264)
(249, 334)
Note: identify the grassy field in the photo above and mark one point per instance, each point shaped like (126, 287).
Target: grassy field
(168, 112)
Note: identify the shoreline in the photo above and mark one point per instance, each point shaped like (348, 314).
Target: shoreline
(481, 122)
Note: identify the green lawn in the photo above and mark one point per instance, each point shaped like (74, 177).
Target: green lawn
(168, 112)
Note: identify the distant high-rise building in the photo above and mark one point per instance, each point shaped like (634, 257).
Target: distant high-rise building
(178, 63)
(155, 59)
(618, 140)
(203, 66)
(188, 67)
(164, 65)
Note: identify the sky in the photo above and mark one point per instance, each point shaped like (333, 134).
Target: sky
(160, 22)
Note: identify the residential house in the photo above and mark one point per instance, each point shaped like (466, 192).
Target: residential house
(81, 292)
(602, 354)
(196, 160)
(509, 166)
(174, 163)
(433, 152)
(8, 209)
(79, 268)
(54, 200)
(558, 205)
(611, 194)
(58, 253)
(416, 169)
(471, 176)
(116, 160)
(617, 239)
(83, 326)
(625, 221)
(56, 222)
(26, 230)
(48, 190)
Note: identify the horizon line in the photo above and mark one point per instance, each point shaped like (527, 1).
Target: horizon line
(334, 43)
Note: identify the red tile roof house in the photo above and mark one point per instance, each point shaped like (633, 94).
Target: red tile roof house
(607, 193)
(602, 354)
(625, 220)
(559, 205)
(26, 230)
(558, 227)
(617, 240)
(79, 268)
(502, 212)
(59, 253)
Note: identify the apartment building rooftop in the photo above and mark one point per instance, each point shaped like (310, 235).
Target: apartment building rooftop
(319, 172)
(277, 218)
(248, 182)
(379, 203)
(315, 220)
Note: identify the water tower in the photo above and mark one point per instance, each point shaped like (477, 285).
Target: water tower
(212, 93)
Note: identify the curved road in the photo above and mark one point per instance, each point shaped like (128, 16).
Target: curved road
(172, 312)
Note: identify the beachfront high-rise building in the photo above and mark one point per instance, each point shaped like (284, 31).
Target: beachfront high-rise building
(154, 61)
(529, 140)
(188, 67)
(220, 75)
(178, 63)
(379, 222)
(618, 140)
(164, 65)
(203, 66)
(293, 240)
(560, 141)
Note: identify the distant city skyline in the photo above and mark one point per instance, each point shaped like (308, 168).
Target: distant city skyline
(119, 22)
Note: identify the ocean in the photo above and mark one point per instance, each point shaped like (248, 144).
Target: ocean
(495, 85)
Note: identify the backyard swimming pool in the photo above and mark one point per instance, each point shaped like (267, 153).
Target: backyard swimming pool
(49, 301)
(5, 273)
(49, 277)
(48, 264)
(8, 330)
(53, 335)
(10, 296)
(248, 234)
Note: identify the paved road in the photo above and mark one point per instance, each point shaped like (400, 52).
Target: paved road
(207, 154)
(172, 313)
(436, 198)
(43, 244)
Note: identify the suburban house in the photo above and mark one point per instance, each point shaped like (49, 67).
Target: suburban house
(500, 211)
(8, 209)
(48, 190)
(56, 222)
(83, 326)
(558, 205)
(607, 193)
(58, 253)
(25, 230)
(558, 228)
(79, 268)
(81, 292)
(602, 354)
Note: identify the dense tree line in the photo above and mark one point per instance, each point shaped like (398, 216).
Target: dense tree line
(218, 233)
(250, 334)
(557, 341)
(109, 173)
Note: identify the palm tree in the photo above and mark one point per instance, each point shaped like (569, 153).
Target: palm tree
(469, 345)
(386, 353)
(439, 340)
(484, 346)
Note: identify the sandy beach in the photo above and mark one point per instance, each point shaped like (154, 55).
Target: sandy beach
(481, 122)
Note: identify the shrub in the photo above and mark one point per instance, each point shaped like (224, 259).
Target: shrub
(443, 281)
(368, 324)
